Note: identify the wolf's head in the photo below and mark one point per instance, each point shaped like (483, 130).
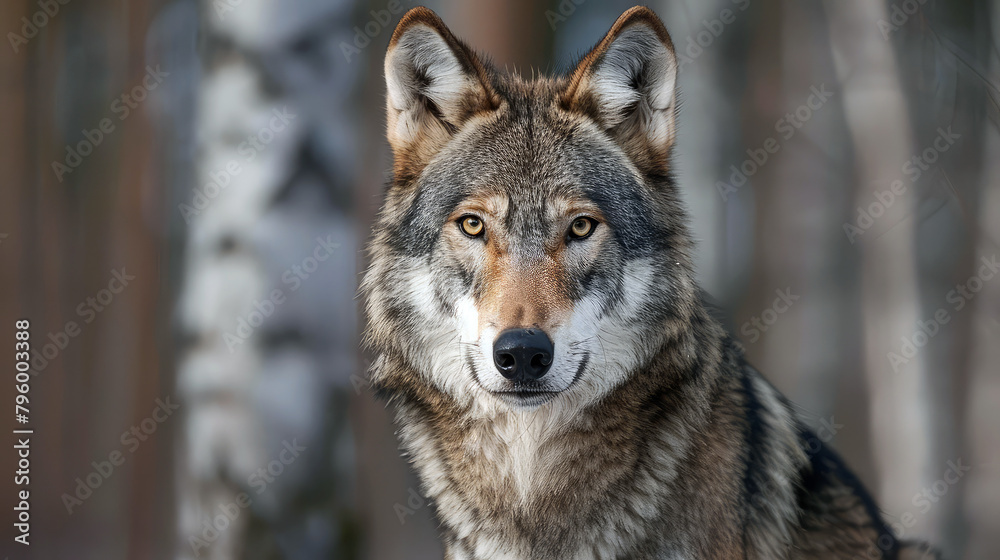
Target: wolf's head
(531, 247)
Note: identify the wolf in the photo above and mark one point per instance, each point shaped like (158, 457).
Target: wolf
(559, 381)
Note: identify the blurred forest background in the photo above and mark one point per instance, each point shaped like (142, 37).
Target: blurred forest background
(190, 184)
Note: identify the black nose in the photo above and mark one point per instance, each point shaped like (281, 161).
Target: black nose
(522, 354)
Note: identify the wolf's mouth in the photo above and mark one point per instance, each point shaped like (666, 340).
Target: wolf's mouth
(527, 397)
(529, 394)
(537, 394)
(522, 388)
(526, 392)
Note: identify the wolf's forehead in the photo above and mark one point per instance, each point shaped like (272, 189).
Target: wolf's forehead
(513, 206)
(540, 151)
(516, 155)
(521, 173)
(532, 159)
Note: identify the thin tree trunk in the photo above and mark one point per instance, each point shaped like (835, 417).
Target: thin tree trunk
(882, 138)
(712, 84)
(793, 321)
(944, 43)
(982, 489)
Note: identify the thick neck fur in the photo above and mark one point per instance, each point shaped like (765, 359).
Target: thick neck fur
(517, 484)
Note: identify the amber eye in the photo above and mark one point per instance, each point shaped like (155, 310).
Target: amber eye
(582, 227)
(471, 225)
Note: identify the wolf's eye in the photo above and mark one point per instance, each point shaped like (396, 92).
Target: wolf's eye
(581, 228)
(471, 225)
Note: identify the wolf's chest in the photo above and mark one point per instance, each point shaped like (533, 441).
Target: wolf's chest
(529, 490)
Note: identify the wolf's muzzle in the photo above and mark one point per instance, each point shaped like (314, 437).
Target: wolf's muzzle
(523, 354)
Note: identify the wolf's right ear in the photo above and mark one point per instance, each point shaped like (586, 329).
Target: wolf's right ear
(434, 84)
(627, 85)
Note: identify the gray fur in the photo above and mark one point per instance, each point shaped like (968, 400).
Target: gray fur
(655, 439)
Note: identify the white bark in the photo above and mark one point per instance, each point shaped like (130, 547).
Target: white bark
(269, 69)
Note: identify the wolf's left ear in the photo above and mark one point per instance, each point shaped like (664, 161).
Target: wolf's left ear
(434, 84)
(627, 85)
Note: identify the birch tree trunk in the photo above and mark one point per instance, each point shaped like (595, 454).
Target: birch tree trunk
(267, 316)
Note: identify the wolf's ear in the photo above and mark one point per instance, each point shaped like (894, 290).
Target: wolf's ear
(434, 84)
(626, 84)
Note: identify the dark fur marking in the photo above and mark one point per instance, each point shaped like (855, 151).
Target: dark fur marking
(825, 467)
(755, 460)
